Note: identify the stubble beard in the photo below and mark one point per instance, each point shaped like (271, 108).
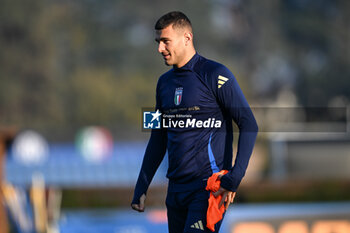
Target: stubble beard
(168, 63)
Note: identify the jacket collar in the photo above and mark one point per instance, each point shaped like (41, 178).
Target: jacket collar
(189, 65)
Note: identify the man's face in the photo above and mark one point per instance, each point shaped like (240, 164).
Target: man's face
(171, 44)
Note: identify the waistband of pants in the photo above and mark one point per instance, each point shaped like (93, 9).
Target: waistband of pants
(183, 187)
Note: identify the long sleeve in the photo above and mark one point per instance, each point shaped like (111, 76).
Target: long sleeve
(154, 155)
(232, 100)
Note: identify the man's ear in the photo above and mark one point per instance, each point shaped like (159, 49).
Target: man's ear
(188, 37)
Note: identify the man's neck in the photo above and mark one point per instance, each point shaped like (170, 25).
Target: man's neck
(187, 58)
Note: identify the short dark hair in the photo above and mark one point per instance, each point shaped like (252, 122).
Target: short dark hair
(176, 18)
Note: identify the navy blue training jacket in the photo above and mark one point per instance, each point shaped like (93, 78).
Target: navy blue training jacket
(203, 89)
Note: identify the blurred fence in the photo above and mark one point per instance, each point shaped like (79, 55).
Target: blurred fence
(67, 168)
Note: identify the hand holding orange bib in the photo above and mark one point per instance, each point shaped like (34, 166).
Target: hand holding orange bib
(214, 213)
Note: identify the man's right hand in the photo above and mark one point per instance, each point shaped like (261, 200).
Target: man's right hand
(140, 207)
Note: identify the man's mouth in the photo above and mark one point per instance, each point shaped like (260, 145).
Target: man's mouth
(166, 56)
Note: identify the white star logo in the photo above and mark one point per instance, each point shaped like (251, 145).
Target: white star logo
(156, 115)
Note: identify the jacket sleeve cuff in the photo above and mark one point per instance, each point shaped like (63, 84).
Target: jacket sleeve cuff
(229, 183)
(135, 200)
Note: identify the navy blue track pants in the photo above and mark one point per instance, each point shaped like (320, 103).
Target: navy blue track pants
(187, 211)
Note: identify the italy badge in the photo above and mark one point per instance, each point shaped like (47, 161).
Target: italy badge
(178, 95)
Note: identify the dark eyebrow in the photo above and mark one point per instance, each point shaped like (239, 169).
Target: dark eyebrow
(161, 39)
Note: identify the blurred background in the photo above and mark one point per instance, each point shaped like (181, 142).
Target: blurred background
(75, 75)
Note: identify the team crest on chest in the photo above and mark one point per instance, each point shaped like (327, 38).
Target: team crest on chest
(178, 96)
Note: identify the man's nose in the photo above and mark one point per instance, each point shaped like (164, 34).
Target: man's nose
(161, 47)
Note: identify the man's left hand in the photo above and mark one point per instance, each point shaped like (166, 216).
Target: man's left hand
(227, 196)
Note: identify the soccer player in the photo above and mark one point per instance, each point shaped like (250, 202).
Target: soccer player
(208, 92)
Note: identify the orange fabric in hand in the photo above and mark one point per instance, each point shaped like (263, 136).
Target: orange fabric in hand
(214, 214)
